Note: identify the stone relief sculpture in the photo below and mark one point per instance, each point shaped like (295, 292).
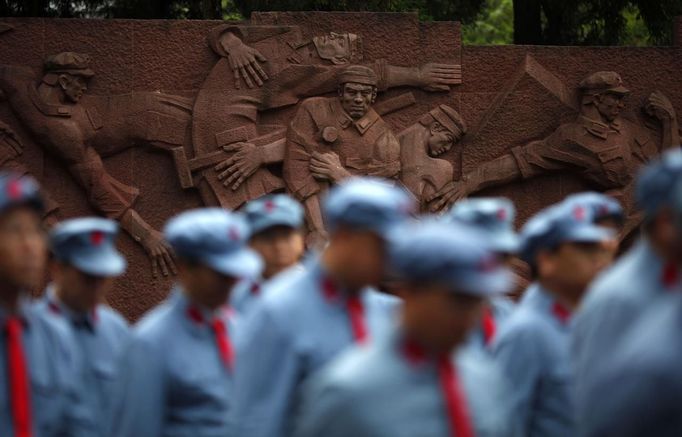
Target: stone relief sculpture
(232, 150)
(52, 112)
(10, 151)
(600, 145)
(332, 138)
(436, 132)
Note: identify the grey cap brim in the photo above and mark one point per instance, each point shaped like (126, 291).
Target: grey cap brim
(588, 234)
(505, 242)
(275, 220)
(486, 284)
(103, 262)
(243, 263)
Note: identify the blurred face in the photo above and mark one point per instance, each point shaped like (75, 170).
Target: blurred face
(610, 105)
(78, 290)
(441, 140)
(665, 235)
(570, 268)
(360, 257)
(73, 86)
(334, 47)
(438, 318)
(204, 285)
(23, 249)
(280, 247)
(356, 99)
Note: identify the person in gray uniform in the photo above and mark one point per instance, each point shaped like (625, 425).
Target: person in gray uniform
(408, 382)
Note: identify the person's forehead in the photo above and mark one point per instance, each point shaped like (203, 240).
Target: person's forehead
(357, 86)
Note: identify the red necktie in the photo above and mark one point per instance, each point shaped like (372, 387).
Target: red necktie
(224, 345)
(670, 275)
(489, 327)
(458, 416)
(357, 318)
(20, 395)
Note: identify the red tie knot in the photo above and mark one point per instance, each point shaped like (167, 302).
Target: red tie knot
(562, 313)
(195, 315)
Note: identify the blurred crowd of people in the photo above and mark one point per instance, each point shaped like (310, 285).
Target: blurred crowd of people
(403, 325)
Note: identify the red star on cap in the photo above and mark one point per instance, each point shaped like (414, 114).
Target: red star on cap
(579, 213)
(269, 206)
(233, 234)
(96, 238)
(14, 189)
(502, 214)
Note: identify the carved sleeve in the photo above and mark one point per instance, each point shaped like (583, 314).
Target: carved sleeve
(300, 146)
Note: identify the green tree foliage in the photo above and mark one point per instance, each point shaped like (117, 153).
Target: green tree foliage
(550, 22)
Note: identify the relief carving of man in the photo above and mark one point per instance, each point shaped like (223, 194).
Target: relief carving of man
(52, 113)
(421, 144)
(332, 138)
(279, 69)
(603, 147)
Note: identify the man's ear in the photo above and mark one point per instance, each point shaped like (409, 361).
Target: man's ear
(545, 262)
(63, 81)
(374, 94)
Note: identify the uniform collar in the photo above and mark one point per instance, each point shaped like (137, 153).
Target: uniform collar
(48, 108)
(331, 291)
(668, 273)
(197, 319)
(600, 129)
(87, 320)
(362, 125)
(541, 299)
(23, 312)
(413, 353)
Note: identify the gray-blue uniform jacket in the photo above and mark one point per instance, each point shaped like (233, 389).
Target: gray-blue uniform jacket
(532, 350)
(501, 307)
(173, 380)
(612, 305)
(58, 407)
(639, 387)
(100, 337)
(385, 390)
(294, 329)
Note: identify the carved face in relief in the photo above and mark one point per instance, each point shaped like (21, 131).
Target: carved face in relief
(610, 105)
(440, 139)
(356, 98)
(73, 87)
(334, 47)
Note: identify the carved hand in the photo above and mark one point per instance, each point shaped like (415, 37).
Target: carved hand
(446, 196)
(160, 253)
(327, 166)
(316, 240)
(439, 77)
(235, 170)
(659, 106)
(244, 61)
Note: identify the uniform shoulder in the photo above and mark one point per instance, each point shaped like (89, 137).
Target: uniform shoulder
(315, 102)
(618, 284)
(156, 324)
(113, 318)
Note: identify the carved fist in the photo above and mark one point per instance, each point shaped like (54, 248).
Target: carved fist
(244, 61)
(247, 158)
(316, 240)
(657, 105)
(327, 166)
(439, 77)
(159, 252)
(446, 196)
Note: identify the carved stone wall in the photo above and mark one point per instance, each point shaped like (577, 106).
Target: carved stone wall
(139, 108)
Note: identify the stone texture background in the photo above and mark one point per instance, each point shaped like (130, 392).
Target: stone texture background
(510, 95)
